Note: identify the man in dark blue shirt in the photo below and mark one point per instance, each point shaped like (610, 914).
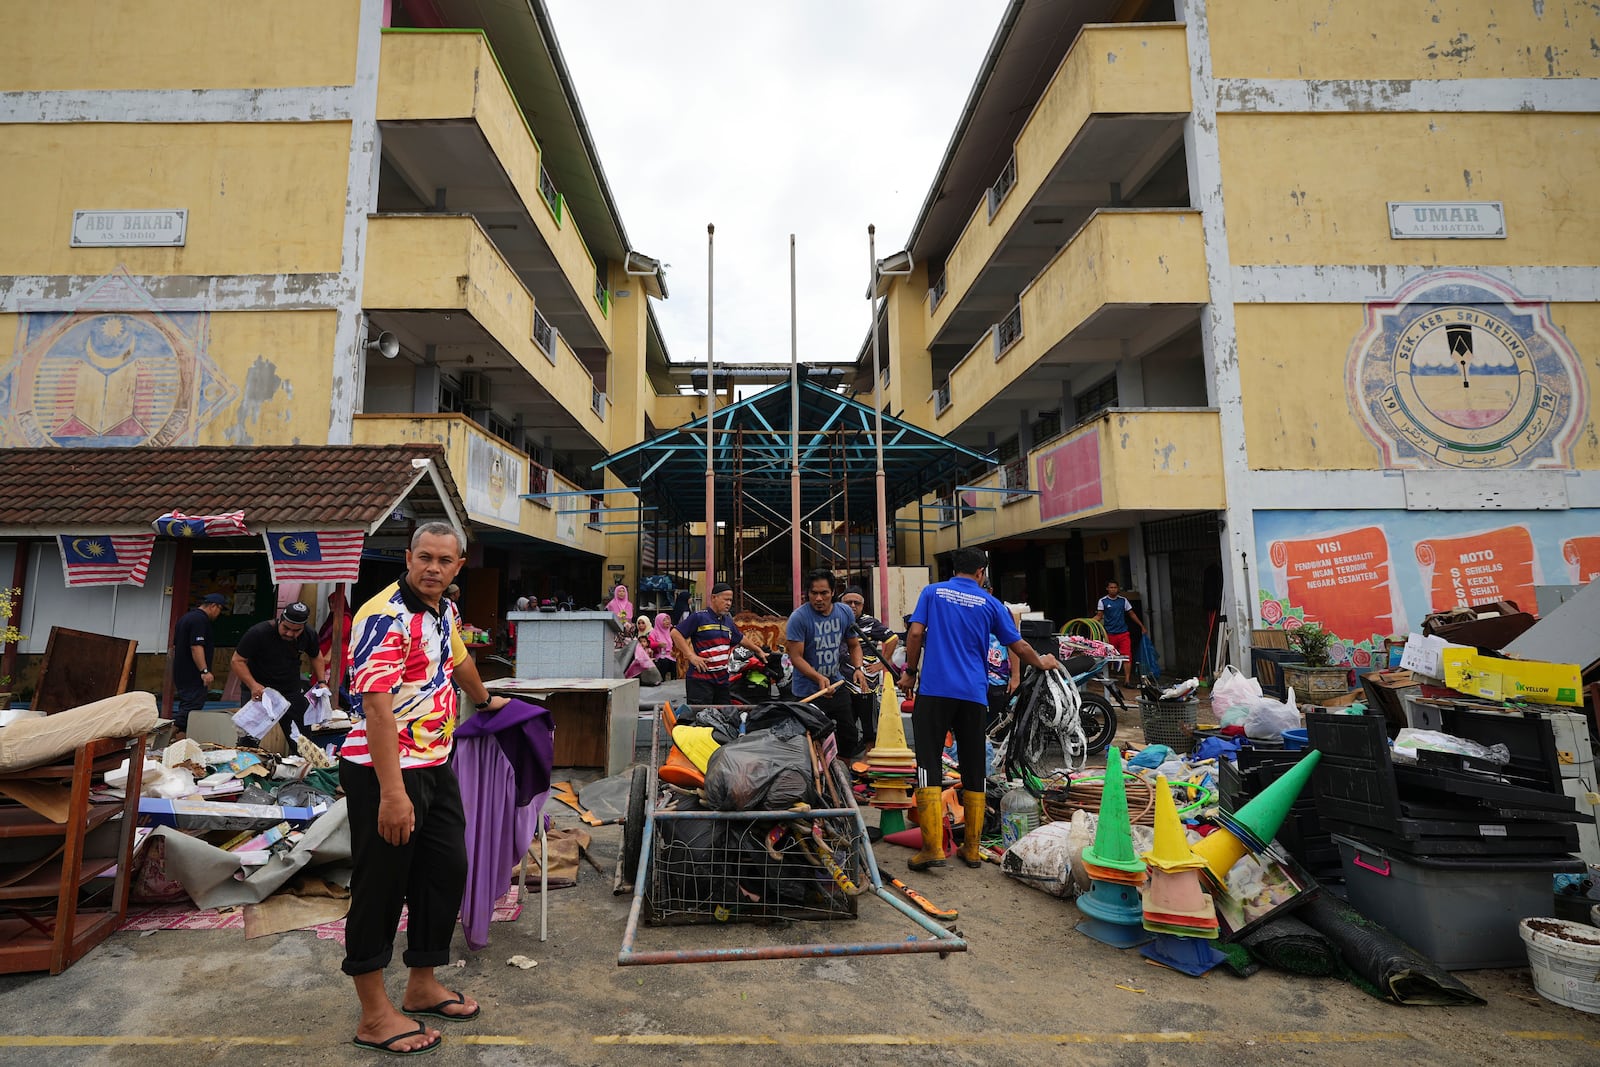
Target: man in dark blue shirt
(191, 657)
(952, 622)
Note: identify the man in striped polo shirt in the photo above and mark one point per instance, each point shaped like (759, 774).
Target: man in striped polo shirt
(407, 826)
(706, 638)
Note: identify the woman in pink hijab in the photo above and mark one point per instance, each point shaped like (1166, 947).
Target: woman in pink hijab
(660, 641)
(620, 604)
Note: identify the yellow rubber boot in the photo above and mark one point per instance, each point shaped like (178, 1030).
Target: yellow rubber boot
(972, 812)
(930, 819)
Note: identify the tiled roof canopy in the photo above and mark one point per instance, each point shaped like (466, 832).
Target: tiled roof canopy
(46, 490)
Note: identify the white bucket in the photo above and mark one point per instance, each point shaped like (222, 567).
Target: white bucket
(1566, 965)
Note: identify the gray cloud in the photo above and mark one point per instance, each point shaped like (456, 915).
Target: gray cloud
(814, 118)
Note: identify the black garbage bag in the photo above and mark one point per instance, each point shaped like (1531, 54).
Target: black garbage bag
(787, 720)
(1381, 963)
(760, 772)
(1290, 945)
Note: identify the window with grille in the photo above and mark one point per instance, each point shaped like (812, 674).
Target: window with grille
(1098, 398)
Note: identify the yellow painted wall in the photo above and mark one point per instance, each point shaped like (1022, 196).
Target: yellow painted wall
(1404, 39)
(263, 198)
(454, 75)
(1292, 361)
(177, 44)
(1287, 204)
(1135, 69)
(276, 362)
(1130, 257)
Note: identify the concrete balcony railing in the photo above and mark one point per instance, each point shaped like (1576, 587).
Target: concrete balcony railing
(1121, 259)
(1135, 69)
(492, 477)
(1128, 460)
(447, 263)
(440, 75)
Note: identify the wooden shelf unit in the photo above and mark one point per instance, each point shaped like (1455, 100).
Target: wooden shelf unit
(61, 927)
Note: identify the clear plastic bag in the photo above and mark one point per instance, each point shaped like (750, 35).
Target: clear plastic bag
(1408, 741)
(1268, 719)
(1232, 688)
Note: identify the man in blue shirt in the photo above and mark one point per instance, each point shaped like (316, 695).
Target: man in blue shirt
(818, 637)
(952, 622)
(1114, 610)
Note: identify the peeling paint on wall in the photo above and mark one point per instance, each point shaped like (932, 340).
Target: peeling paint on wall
(261, 384)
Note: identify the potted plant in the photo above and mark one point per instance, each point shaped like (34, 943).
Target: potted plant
(8, 636)
(1315, 680)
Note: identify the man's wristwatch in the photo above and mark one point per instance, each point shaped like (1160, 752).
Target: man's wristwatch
(908, 670)
(485, 705)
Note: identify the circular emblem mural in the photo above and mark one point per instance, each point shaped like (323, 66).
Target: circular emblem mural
(1459, 370)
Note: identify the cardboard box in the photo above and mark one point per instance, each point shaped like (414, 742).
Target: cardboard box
(1511, 679)
(213, 728)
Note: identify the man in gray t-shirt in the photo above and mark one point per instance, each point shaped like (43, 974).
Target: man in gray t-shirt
(821, 640)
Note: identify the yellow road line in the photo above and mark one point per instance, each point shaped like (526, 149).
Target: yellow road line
(1182, 1037)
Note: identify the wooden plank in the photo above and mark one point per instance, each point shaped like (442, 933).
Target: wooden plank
(80, 668)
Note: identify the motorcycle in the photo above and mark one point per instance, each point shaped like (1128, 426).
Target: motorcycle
(757, 678)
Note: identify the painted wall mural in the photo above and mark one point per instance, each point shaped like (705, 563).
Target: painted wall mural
(496, 476)
(116, 370)
(1068, 477)
(1460, 371)
(1368, 574)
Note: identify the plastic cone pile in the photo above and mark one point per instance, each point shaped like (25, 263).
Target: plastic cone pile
(891, 766)
(1173, 901)
(1252, 827)
(1111, 908)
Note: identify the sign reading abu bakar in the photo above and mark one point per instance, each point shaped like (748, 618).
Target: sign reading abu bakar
(129, 229)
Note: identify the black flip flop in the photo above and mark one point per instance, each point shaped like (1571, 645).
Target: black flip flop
(438, 1012)
(388, 1046)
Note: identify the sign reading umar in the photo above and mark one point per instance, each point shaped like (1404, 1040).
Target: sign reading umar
(1416, 220)
(128, 229)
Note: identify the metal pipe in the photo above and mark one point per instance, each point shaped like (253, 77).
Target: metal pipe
(711, 430)
(882, 605)
(794, 431)
(629, 958)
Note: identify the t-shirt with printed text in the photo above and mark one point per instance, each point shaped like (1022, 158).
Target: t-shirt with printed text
(960, 617)
(825, 637)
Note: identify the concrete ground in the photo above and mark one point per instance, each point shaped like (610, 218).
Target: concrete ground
(1029, 989)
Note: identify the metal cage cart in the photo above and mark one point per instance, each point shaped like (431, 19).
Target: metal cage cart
(699, 866)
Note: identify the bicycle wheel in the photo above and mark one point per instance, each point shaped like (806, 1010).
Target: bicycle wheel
(633, 822)
(1099, 722)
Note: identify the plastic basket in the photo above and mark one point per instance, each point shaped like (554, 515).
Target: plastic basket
(1565, 971)
(1169, 722)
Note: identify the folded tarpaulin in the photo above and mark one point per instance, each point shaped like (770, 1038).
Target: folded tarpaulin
(502, 760)
(207, 872)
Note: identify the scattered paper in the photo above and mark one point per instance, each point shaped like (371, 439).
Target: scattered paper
(259, 716)
(522, 961)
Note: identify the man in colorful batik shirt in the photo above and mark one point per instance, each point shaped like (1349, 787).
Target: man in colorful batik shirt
(407, 826)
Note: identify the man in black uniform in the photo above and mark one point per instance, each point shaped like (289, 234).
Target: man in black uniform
(874, 635)
(191, 657)
(268, 657)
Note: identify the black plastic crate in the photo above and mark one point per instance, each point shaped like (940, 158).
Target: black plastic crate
(1266, 664)
(1528, 736)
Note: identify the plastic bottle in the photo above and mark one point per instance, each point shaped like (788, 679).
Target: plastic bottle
(1019, 815)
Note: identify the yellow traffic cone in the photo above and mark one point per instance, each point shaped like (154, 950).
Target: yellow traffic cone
(891, 743)
(1171, 849)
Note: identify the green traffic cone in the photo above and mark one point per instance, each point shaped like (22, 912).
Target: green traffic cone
(1258, 822)
(1113, 835)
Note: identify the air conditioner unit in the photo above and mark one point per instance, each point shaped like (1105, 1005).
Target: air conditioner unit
(474, 387)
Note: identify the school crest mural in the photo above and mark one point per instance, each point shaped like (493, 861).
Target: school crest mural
(115, 370)
(1458, 370)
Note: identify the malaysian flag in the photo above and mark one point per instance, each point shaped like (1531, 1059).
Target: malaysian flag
(109, 559)
(177, 524)
(315, 555)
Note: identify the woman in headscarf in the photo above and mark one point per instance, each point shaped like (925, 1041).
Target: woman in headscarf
(619, 604)
(660, 641)
(641, 664)
(680, 606)
(641, 630)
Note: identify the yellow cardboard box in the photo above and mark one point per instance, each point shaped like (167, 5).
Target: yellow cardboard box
(1494, 678)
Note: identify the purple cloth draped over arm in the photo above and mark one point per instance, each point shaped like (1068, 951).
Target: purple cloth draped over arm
(503, 762)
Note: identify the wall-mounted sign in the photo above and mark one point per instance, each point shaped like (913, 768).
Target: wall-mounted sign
(126, 229)
(1414, 220)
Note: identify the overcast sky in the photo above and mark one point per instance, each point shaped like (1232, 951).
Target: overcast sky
(812, 117)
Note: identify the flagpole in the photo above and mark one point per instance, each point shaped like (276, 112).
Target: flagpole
(711, 407)
(877, 412)
(794, 430)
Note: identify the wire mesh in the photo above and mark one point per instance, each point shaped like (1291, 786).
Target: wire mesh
(754, 866)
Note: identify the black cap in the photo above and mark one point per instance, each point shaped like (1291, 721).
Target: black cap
(214, 598)
(297, 614)
(855, 590)
(721, 587)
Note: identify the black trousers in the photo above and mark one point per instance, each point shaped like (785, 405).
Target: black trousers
(701, 691)
(189, 698)
(866, 707)
(932, 718)
(842, 711)
(428, 873)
